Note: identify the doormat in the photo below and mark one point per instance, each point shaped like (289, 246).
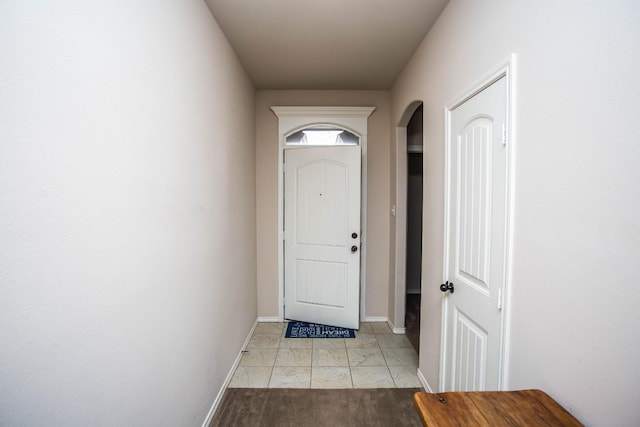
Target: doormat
(313, 330)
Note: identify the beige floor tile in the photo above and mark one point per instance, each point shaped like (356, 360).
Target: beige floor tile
(405, 376)
(380, 328)
(365, 328)
(330, 357)
(393, 341)
(329, 342)
(264, 341)
(274, 328)
(293, 357)
(365, 357)
(267, 328)
(296, 343)
(331, 377)
(371, 377)
(251, 377)
(362, 341)
(400, 357)
(259, 357)
(290, 377)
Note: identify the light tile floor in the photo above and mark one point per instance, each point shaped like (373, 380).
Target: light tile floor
(376, 358)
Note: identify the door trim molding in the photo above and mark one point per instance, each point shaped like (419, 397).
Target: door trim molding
(291, 118)
(506, 69)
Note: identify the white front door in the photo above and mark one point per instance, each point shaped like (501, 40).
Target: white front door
(322, 235)
(476, 241)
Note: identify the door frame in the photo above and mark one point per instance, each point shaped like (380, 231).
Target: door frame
(506, 69)
(294, 118)
(398, 316)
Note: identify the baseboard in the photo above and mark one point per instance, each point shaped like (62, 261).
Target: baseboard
(376, 319)
(227, 380)
(398, 331)
(424, 382)
(268, 319)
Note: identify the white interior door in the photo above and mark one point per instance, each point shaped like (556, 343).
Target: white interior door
(322, 235)
(476, 241)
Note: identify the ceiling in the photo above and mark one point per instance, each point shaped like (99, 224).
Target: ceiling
(325, 44)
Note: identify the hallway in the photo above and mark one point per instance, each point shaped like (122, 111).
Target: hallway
(140, 200)
(376, 358)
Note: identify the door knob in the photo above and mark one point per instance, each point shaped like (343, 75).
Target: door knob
(447, 286)
(354, 235)
(354, 248)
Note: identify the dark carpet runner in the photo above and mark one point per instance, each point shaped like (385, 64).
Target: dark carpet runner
(380, 407)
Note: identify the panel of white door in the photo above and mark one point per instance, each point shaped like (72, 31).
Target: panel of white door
(322, 216)
(477, 230)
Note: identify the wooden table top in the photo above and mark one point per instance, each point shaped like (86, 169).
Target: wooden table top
(491, 408)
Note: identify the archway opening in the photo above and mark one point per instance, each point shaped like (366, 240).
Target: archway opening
(413, 260)
(408, 223)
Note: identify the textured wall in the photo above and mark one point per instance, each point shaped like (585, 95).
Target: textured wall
(126, 174)
(574, 307)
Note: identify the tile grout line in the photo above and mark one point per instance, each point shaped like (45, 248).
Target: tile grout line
(345, 348)
(386, 364)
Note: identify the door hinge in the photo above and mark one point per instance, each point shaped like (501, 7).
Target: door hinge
(504, 134)
(500, 299)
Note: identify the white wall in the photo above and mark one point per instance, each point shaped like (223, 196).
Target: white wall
(378, 213)
(126, 183)
(575, 322)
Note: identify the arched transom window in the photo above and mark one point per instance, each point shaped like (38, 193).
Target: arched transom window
(322, 135)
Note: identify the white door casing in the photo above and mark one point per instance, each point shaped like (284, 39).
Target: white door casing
(322, 235)
(477, 238)
(294, 118)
